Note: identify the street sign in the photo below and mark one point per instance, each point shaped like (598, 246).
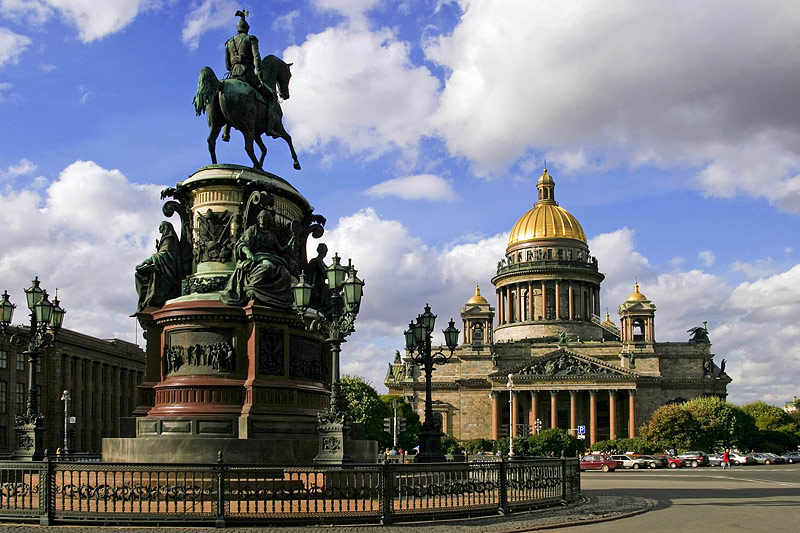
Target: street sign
(581, 430)
(582, 436)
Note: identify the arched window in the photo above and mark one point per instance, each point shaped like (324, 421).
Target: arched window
(638, 330)
(477, 335)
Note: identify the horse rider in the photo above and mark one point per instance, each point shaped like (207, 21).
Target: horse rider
(243, 62)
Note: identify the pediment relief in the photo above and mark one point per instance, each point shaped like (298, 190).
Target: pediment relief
(563, 363)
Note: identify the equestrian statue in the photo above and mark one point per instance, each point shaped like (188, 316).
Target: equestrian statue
(247, 98)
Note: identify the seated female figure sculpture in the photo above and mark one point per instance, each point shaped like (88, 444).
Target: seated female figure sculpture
(158, 278)
(262, 272)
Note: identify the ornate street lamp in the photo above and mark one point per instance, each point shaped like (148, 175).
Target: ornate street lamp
(45, 323)
(418, 344)
(346, 291)
(510, 386)
(65, 397)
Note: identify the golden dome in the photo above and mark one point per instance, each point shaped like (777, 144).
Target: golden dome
(477, 299)
(636, 296)
(547, 220)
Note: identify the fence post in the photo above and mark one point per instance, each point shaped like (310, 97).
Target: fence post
(503, 487)
(45, 490)
(220, 472)
(387, 492)
(563, 477)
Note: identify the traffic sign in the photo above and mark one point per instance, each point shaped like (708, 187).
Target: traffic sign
(582, 436)
(581, 430)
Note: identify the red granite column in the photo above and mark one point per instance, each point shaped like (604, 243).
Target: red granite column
(631, 413)
(612, 414)
(573, 414)
(514, 413)
(532, 414)
(495, 416)
(571, 307)
(553, 409)
(592, 417)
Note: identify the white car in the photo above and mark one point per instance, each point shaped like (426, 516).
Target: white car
(631, 462)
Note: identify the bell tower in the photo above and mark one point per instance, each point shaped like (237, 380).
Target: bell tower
(637, 314)
(478, 317)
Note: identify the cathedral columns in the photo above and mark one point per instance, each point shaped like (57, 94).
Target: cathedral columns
(553, 409)
(532, 414)
(631, 413)
(495, 416)
(612, 414)
(573, 423)
(544, 301)
(519, 302)
(530, 301)
(571, 308)
(558, 300)
(592, 417)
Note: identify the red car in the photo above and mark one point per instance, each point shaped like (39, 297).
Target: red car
(598, 461)
(674, 462)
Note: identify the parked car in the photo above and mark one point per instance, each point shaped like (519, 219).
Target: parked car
(715, 459)
(768, 458)
(776, 459)
(674, 462)
(694, 459)
(597, 461)
(654, 462)
(792, 457)
(629, 461)
(741, 459)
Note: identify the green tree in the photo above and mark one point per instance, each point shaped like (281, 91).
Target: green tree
(777, 430)
(634, 445)
(450, 446)
(671, 426)
(365, 407)
(409, 438)
(722, 425)
(478, 445)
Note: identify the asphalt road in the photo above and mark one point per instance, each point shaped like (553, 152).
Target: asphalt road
(708, 500)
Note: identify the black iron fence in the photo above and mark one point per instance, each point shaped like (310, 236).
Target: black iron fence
(219, 494)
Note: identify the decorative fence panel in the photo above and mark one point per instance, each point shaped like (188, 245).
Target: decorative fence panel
(69, 492)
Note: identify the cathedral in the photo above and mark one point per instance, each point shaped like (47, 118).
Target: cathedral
(571, 368)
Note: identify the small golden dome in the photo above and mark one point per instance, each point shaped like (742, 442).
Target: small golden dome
(547, 220)
(636, 296)
(477, 299)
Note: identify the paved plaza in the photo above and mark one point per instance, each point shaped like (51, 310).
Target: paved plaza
(746, 499)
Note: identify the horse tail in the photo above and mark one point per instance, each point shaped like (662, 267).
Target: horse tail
(207, 87)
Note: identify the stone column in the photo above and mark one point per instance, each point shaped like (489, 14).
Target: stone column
(558, 300)
(597, 301)
(592, 417)
(531, 307)
(495, 416)
(519, 302)
(553, 409)
(631, 413)
(571, 307)
(507, 306)
(612, 414)
(532, 414)
(544, 301)
(514, 413)
(573, 420)
(499, 307)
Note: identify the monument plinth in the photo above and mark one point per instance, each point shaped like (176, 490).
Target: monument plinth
(232, 365)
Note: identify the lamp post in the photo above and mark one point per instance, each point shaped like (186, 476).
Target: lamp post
(510, 386)
(65, 397)
(346, 293)
(45, 322)
(418, 344)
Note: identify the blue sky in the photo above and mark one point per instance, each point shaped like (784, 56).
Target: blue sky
(672, 131)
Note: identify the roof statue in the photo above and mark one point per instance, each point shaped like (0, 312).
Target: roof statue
(247, 98)
(699, 334)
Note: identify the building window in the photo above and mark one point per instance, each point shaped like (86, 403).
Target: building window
(3, 359)
(3, 397)
(20, 398)
(20, 361)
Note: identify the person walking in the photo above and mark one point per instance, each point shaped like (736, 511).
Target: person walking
(726, 459)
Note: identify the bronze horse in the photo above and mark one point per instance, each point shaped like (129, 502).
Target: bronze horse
(236, 103)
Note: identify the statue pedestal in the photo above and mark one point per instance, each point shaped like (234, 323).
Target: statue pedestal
(30, 442)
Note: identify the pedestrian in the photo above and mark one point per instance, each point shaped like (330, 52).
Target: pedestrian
(726, 459)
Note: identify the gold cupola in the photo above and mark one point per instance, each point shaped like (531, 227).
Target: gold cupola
(477, 299)
(546, 220)
(636, 296)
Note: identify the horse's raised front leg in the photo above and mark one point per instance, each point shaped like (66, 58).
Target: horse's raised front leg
(261, 145)
(288, 139)
(226, 133)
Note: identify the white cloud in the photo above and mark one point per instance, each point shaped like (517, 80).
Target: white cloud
(358, 88)
(11, 46)
(634, 82)
(90, 228)
(206, 16)
(5, 88)
(706, 257)
(354, 9)
(419, 187)
(22, 168)
(754, 269)
(93, 20)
